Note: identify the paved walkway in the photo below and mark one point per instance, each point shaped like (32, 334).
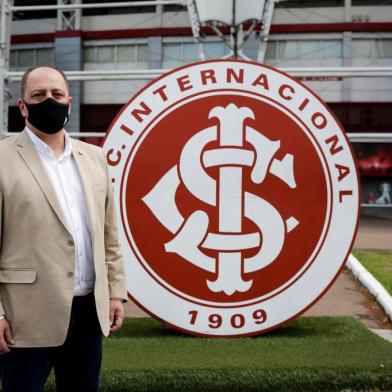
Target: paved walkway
(374, 233)
(346, 297)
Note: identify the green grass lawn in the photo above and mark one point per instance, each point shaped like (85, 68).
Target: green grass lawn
(379, 264)
(310, 354)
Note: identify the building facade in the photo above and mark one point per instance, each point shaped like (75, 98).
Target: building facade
(304, 33)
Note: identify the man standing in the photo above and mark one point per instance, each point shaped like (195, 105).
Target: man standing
(62, 281)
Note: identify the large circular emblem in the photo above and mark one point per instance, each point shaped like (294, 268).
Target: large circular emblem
(237, 197)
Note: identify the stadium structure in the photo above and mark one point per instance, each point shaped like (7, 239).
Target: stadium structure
(341, 49)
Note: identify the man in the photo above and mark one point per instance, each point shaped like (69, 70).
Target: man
(61, 275)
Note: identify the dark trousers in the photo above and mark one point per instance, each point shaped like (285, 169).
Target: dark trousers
(76, 363)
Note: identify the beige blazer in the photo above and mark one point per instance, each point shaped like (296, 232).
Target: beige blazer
(37, 255)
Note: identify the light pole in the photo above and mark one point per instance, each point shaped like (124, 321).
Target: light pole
(231, 14)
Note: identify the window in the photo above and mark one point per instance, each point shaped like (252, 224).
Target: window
(371, 48)
(190, 52)
(172, 52)
(304, 49)
(25, 58)
(116, 10)
(310, 49)
(174, 8)
(361, 48)
(309, 3)
(384, 47)
(44, 56)
(13, 58)
(141, 53)
(214, 50)
(271, 50)
(89, 54)
(332, 49)
(371, 2)
(180, 52)
(126, 54)
(184, 52)
(132, 53)
(105, 54)
(23, 15)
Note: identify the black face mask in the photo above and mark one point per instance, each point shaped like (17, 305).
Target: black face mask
(48, 116)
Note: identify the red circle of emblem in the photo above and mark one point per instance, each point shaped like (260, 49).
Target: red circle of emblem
(234, 185)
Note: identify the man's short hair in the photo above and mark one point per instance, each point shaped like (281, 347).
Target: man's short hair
(27, 73)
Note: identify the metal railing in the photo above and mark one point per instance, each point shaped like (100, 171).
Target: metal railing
(149, 74)
(65, 7)
(353, 137)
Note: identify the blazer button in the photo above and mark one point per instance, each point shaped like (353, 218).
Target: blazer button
(71, 242)
(70, 274)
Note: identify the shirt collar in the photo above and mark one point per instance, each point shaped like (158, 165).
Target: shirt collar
(44, 149)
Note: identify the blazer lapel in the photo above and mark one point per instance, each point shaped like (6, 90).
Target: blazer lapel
(86, 175)
(33, 162)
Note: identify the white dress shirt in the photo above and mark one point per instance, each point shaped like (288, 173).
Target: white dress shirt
(65, 178)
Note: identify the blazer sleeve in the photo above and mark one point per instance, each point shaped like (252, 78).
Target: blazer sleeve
(113, 256)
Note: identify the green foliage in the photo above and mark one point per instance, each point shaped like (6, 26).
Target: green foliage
(379, 264)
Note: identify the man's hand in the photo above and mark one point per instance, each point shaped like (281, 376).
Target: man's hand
(116, 315)
(6, 337)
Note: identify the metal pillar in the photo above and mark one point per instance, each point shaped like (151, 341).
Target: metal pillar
(68, 19)
(68, 54)
(196, 25)
(347, 11)
(267, 20)
(237, 37)
(5, 43)
(346, 62)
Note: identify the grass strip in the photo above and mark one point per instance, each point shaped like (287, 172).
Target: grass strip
(283, 380)
(309, 354)
(379, 264)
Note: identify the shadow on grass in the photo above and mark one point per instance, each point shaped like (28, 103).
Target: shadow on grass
(279, 380)
(303, 327)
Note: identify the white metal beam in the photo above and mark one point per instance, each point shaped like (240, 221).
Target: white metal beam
(94, 5)
(339, 71)
(353, 137)
(371, 137)
(266, 24)
(374, 205)
(149, 74)
(133, 74)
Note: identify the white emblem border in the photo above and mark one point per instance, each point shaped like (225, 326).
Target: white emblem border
(175, 310)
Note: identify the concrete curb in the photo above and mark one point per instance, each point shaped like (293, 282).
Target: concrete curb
(371, 283)
(383, 333)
